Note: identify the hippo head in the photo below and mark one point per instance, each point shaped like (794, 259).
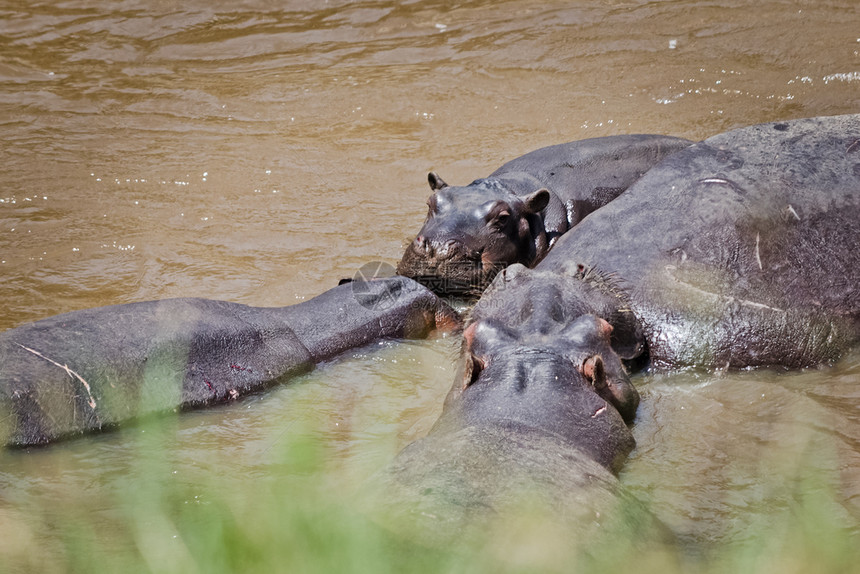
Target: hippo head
(471, 233)
(568, 383)
(536, 300)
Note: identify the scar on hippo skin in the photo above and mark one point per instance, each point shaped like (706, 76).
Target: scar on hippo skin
(96, 369)
(70, 372)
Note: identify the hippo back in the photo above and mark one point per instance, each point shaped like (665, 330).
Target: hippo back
(739, 250)
(462, 488)
(590, 173)
(516, 214)
(96, 368)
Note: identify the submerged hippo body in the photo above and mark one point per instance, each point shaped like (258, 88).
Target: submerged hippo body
(531, 428)
(87, 370)
(739, 251)
(517, 213)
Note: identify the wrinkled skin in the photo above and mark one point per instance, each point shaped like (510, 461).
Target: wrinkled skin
(563, 380)
(739, 251)
(518, 213)
(530, 414)
(538, 302)
(97, 368)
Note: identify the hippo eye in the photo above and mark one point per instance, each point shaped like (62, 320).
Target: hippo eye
(498, 214)
(431, 203)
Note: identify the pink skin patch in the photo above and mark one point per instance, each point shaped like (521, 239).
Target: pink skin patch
(447, 322)
(588, 367)
(605, 327)
(469, 335)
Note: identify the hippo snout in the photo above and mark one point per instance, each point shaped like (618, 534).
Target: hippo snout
(441, 250)
(422, 245)
(425, 255)
(446, 267)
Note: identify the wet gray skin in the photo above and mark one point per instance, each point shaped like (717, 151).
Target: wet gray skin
(553, 380)
(95, 369)
(529, 420)
(739, 251)
(538, 303)
(518, 213)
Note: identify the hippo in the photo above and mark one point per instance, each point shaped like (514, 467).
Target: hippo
(97, 368)
(518, 213)
(738, 251)
(535, 421)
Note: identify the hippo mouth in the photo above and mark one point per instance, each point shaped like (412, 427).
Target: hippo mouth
(445, 285)
(461, 278)
(465, 276)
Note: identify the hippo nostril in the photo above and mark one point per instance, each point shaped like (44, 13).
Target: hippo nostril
(423, 244)
(424, 247)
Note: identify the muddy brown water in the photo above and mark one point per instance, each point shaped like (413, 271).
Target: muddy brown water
(257, 152)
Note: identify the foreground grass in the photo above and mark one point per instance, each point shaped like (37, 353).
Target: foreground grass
(299, 517)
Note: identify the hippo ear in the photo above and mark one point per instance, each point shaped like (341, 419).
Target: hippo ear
(472, 372)
(537, 201)
(474, 364)
(592, 369)
(436, 182)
